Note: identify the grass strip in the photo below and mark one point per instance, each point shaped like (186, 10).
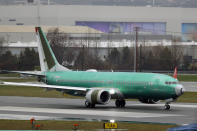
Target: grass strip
(189, 97)
(189, 78)
(83, 125)
(10, 75)
(32, 92)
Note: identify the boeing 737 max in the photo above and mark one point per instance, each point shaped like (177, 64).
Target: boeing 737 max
(100, 87)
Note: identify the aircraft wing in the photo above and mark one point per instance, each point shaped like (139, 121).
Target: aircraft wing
(44, 86)
(33, 73)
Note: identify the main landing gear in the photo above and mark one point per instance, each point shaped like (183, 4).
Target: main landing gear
(89, 105)
(167, 106)
(120, 103)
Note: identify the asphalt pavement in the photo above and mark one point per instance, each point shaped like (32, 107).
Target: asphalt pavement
(21, 108)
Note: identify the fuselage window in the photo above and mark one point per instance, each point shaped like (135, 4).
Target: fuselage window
(174, 82)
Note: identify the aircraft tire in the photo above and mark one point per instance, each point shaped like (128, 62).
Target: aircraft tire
(117, 103)
(167, 107)
(92, 105)
(120, 103)
(89, 105)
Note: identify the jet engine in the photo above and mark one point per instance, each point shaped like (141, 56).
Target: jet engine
(148, 100)
(98, 96)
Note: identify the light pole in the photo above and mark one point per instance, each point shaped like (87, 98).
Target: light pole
(135, 50)
(153, 3)
(38, 12)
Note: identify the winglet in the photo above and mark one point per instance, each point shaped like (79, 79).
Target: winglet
(175, 73)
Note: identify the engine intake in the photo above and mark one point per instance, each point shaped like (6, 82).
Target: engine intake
(98, 96)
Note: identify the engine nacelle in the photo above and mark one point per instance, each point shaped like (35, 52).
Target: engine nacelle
(148, 100)
(98, 96)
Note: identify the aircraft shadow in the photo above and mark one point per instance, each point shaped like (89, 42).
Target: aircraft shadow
(108, 108)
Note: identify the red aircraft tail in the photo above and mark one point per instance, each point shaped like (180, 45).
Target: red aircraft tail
(175, 73)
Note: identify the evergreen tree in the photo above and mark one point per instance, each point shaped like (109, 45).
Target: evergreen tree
(114, 58)
(165, 60)
(126, 59)
(8, 61)
(28, 59)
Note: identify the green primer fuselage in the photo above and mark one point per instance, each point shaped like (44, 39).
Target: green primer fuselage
(131, 85)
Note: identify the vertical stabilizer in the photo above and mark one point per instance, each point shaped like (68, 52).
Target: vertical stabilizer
(48, 61)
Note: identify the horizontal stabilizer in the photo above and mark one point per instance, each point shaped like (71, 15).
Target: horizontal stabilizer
(32, 73)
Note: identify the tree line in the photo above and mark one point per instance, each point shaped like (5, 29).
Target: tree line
(27, 60)
(149, 57)
(84, 57)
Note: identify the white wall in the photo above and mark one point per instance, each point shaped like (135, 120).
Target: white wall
(68, 14)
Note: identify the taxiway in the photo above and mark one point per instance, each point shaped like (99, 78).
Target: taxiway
(12, 107)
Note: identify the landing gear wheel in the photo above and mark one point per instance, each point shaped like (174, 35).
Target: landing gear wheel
(167, 107)
(92, 105)
(117, 103)
(120, 103)
(89, 105)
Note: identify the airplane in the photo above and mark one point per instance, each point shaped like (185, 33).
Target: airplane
(101, 87)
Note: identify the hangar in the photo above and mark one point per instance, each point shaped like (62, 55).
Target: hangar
(108, 19)
(174, 21)
(108, 23)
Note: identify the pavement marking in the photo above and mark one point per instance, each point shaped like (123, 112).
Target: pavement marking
(85, 112)
(172, 105)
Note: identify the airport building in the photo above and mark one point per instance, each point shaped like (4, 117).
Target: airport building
(155, 24)
(108, 19)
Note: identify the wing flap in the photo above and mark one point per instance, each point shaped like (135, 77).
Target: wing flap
(44, 86)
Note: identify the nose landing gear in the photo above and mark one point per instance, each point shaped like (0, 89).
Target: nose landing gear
(167, 105)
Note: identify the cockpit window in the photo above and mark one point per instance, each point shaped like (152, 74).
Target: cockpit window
(171, 82)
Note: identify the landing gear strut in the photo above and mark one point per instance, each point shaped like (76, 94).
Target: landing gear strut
(89, 105)
(167, 105)
(120, 103)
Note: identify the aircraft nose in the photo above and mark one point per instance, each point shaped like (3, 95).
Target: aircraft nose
(179, 90)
